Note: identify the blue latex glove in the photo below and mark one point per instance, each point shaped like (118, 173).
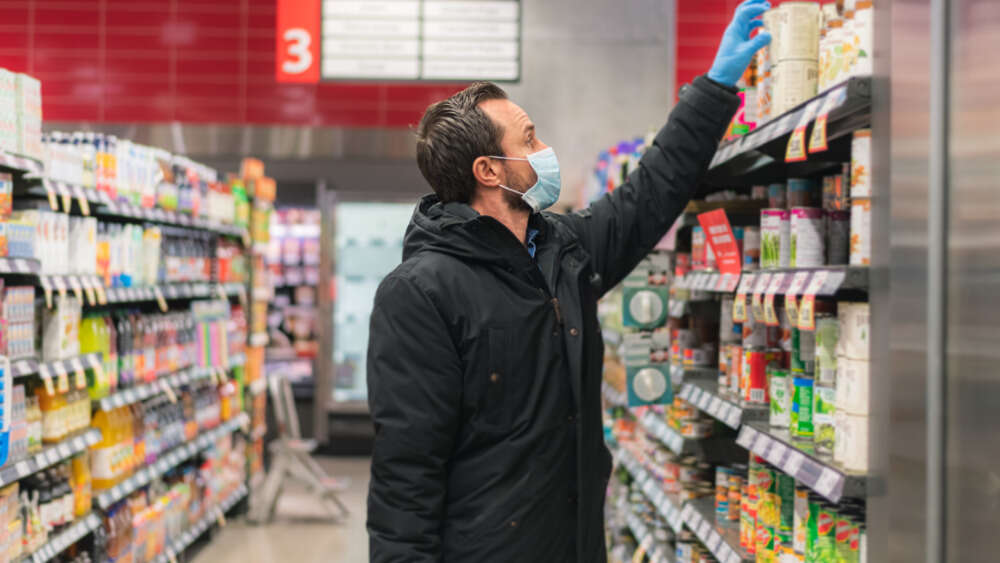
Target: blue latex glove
(737, 47)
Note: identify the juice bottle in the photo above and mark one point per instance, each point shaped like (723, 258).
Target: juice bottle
(111, 355)
(90, 342)
(82, 495)
(48, 404)
(103, 453)
(139, 434)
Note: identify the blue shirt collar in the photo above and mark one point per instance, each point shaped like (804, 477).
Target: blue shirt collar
(529, 241)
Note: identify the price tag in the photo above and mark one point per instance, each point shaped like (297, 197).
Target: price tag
(81, 375)
(733, 558)
(60, 286)
(51, 193)
(51, 456)
(67, 197)
(168, 391)
(714, 406)
(796, 151)
(791, 296)
(807, 317)
(220, 517)
(827, 482)
(88, 290)
(159, 298)
(740, 303)
(733, 416)
(761, 444)
(746, 437)
(46, 375)
(714, 539)
(703, 401)
(64, 451)
(770, 315)
(817, 140)
(724, 553)
(776, 454)
(62, 377)
(47, 289)
(793, 463)
(760, 286)
(703, 529)
(23, 469)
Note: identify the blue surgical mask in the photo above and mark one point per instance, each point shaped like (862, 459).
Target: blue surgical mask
(545, 192)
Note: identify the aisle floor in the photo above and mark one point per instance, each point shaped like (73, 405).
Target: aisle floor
(297, 533)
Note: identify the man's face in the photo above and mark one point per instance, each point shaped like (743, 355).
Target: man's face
(518, 141)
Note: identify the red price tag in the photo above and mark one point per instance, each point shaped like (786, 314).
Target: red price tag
(719, 235)
(817, 140)
(796, 151)
(298, 41)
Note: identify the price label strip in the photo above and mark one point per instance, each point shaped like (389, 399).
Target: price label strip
(67, 197)
(817, 140)
(791, 296)
(47, 290)
(763, 280)
(746, 437)
(796, 150)
(60, 286)
(51, 193)
(81, 375)
(770, 314)
(740, 303)
(807, 309)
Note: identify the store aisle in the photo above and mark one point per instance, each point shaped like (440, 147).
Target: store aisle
(297, 534)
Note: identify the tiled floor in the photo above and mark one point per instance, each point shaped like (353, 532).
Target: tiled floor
(298, 533)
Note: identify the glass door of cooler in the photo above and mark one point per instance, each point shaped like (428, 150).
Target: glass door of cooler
(368, 244)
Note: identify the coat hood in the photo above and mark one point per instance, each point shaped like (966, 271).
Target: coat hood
(457, 230)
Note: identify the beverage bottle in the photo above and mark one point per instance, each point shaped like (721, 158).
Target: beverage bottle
(103, 453)
(82, 493)
(111, 359)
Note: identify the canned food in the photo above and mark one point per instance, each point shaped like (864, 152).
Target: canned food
(861, 227)
(777, 196)
(824, 413)
(861, 163)
(786, 508)
(767, 514)
(808, 237)
(824, 543)
(854, 329)
(758, 192)
(795, 81)
(735, 369)
(800, 524)
(827, 336)
(746, 519)
(799, 31)
(801, 421)
(843, 531)
(836, 189)
(723, 475)
(838, 235)
(751, 248)
(775, 231)
(737, 479)
(802, 192)
(754, 384)
(781, 400)
(852, 386)
(724, 354)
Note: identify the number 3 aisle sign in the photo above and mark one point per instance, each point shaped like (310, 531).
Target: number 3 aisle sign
(298, 41)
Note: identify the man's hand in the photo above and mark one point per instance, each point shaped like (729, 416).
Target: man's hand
(737, 47)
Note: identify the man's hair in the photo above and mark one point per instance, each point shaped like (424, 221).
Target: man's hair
(452, 135)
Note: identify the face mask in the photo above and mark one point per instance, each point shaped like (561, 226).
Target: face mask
(545, 192)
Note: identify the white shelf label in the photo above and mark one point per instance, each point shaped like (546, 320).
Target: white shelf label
(827, 482)
(733, 416)
(761, 444)
(776, 454)
(703, 530)
(714, 539)
(794, 463)
(703, 401)
(746, 437)
(714, 407)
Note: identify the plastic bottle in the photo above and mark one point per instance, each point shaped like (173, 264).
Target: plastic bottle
(103, 452)
(82, 490)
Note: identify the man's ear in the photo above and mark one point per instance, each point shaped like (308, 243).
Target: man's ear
(486, 171)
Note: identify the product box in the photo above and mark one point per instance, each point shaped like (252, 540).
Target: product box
(61, 329)
(648, 381)
(8, 110)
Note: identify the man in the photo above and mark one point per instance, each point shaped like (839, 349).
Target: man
(484, 369)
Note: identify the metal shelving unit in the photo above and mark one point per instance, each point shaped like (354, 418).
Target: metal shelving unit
(724, 543)
(704, 394)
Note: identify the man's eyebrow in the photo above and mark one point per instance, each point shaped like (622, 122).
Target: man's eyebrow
(529, 128)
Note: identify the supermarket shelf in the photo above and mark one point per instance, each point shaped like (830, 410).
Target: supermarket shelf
(168, 291)
(20, 163)
(258, 339)
(657, 552)
(704, 394)
(657, 427)
(614, 397)
(29, 366)
(168, 461)
(23, 266)
(180, 543)
(49, 456)
(724, 543)
(173, 381)
(680, 372)
(837, 278)
(777, 447)
(667, 505)
(749, 156)
(66, 538)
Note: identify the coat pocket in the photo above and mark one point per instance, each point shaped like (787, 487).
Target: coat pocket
(496, 381)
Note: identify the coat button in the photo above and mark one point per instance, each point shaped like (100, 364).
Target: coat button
(574, 332)
(513, 523)
(571, 418)
(494, 377)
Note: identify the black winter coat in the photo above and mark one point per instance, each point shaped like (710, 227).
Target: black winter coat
(484, 364)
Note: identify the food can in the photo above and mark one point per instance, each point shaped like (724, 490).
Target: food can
(838, 235)
(827, 337)
(754, 333)
(767, 510)
(836, 190)
(801, 520)
(777, 196)
(751, 248)
(861, 163)
(735, 369)
(736, 485)
(772, 24)
(843, 531)
(802, 192)
(824, 543)
(698, 247)
(724, 355)
(861, 227)
(824, 412)
(781, 400)
(851, 442)
(801, 420)
(808, 237)
(775, 231)
(786, 508)
(799, 31)
(753, 386)
(765, 84)
(803, 360)
(855, 325)
(746, 519)
(722, 477)
(852, 386)
(795, 82)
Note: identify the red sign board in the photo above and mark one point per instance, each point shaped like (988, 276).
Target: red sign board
(298, 41)
(719, 234)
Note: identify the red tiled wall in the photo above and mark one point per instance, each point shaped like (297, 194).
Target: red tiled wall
(183, 60)
(700, 24)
